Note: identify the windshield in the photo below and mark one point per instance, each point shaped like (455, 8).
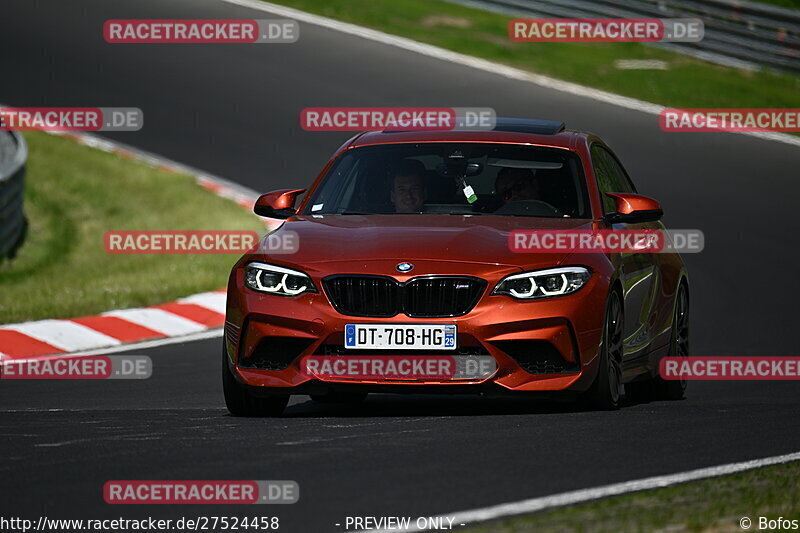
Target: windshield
(453, 179)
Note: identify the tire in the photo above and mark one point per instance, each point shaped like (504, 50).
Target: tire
(661, 389)
(350, 398)
(678, 347)
(241, 402)
(604, 395)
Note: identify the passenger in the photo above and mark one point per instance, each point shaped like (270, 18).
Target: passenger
(516, 184)
(408, 192)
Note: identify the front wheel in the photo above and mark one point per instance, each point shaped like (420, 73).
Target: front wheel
(604, 392)
(241, 402)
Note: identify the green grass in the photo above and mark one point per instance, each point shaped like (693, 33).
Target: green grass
(74, 194)
(688, 82)
(713, 505)
(793, 4)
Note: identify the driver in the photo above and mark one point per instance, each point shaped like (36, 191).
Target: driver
(408, 192)
(516, 184)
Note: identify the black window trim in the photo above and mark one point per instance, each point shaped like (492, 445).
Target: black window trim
(582, 179)
(625, 174)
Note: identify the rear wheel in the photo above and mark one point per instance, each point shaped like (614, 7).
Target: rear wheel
(340, 397)
(604, 392)
(241, 402)
(678, 347)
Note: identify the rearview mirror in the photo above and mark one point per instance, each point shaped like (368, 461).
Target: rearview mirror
(633, 209)
(458, 170)
(277, 204)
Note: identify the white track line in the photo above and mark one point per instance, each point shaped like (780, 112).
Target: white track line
(481, 64)
(534, 505)
(159, 320)
(155, 343)
(64, 335)
(214, 301)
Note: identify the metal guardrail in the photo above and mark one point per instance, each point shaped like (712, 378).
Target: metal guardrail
(13, 224)
(737, 33)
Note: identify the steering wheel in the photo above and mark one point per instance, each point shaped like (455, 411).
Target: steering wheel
(529, 208)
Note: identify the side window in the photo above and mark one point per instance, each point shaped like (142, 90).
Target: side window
(611, 177)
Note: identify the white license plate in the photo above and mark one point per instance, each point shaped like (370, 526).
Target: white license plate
(400, 336)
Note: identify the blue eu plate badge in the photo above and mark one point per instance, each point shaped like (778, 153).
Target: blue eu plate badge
(350, 335)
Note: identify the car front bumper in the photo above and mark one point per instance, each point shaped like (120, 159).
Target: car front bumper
(542, 345)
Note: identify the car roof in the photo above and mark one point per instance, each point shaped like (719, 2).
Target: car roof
(506, 130)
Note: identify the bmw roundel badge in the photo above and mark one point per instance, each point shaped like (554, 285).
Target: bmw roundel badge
(404, 267)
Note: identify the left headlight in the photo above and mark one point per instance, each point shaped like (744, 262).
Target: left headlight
(543, 283)
(274, 279)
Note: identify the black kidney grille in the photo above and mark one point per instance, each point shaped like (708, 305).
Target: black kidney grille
(364, 296)
(437, 296)
(427, 297)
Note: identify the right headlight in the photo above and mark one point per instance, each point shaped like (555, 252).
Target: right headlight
(543, 283)
(274, 279)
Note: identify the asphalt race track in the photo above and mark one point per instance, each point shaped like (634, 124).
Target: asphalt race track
(233, 110)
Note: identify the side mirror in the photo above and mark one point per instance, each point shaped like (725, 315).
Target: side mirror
(633, 209)
(277, 204)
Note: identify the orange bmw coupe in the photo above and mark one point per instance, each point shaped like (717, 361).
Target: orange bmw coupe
(400, 277)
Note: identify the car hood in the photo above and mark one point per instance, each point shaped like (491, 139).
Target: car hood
(437, 238)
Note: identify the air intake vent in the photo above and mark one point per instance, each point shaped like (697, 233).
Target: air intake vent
(275, 353)
(537, 357)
